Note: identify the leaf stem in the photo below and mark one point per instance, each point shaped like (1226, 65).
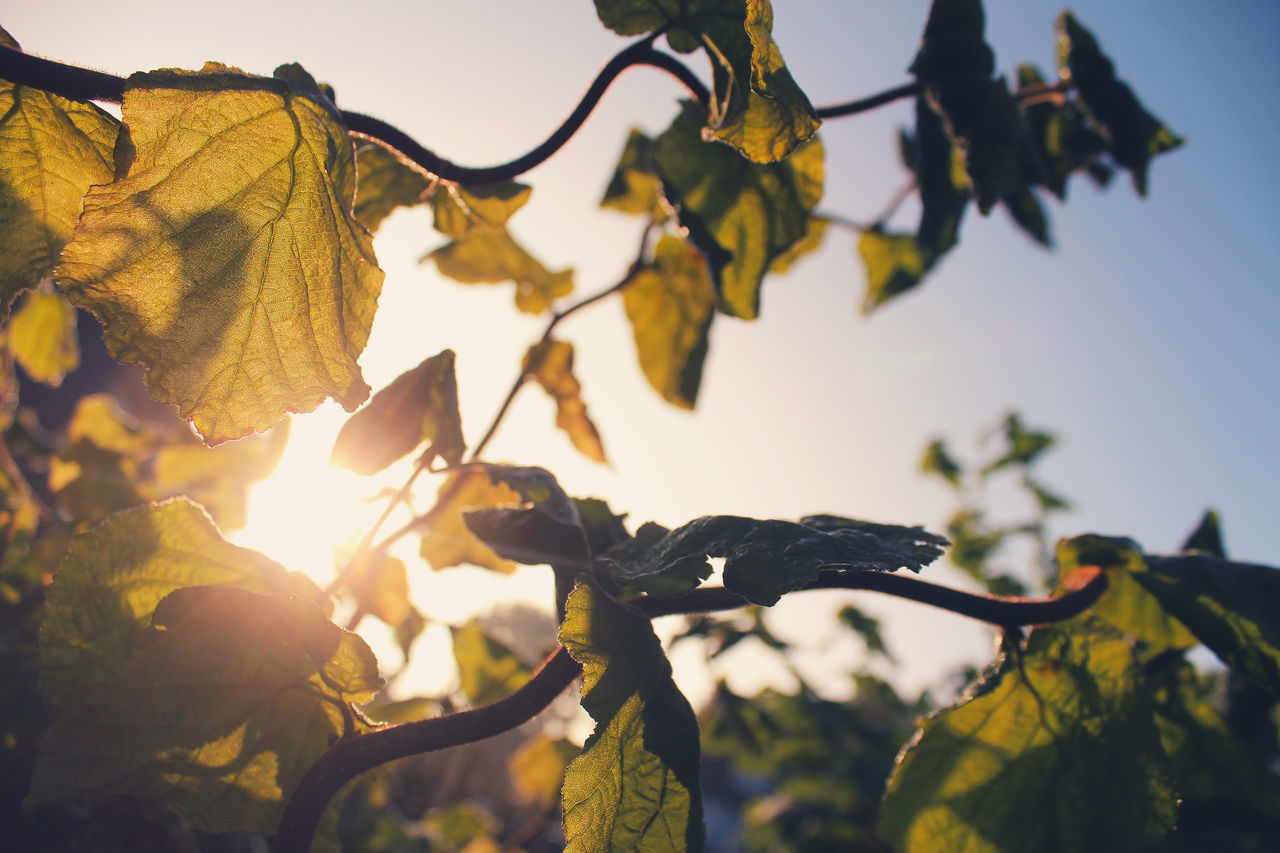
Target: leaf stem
(348, 758)
(862, 105)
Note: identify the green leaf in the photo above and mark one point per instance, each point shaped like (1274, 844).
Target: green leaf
(1057, 753)
(460, 210)
(634, 187)
(419, 405)
(1062, 134)
(1133, 135)
(763, 559)
(103, 595)
(246, 292)
(1207, 536)
(938, 460)
(866, 627)
(488, 669)
(670, 305)
(944, 190)
(51, 151)
(220, 707)
(1028, 214)
(448, 541)
(895, 264)
(537, 769)
(1127, 604)
(741, 214)
(483, 256)
(550, 363)
(1025, 446)
(42, 337)
(636, 785)
(1230, 607)
(384, 183)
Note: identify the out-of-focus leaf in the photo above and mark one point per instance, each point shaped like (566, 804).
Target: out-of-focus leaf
(636, 785)
(246, 292)
(763, 559)
(51, 151)
(1133, 135)
(670, 305)
(741, 215)
(483, 256)
(634, 187)
(1061, 133)
(487, 668)
(217, 711)
(866, 627)
(1047, 501)
(550, 362)
(1127, 604)
(448, 542)
(384, 183)
(809, 243)
(1025, 446)
(459, 209)
(380, 586)
(42, 337)
(103, 595)
(1207, 536)
(944, 192)
(895, 264)
(419, 405)
(1052, 754)
(938, 460)
(537, 769)
(1230, 607)
(1028, 214)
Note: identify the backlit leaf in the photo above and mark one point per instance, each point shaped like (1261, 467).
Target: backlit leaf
(894, 262)
(419, 405)
(42, 336)
(670, 304)
(484, 256)
(447, 541)
(634, 187)
(488, 669)
(1133, 135)
(1059, 753)
(460, 209)
(1127, 604)
(1230, 607)
(103, 595)
(763, 559)
(551, 364)
(537, 768)
(224, 702)
(51, 151)
(380, 585)
(384, 183)
(636, 785)
(810, 242)
(938, 460)
(246, 292)
(741, 214)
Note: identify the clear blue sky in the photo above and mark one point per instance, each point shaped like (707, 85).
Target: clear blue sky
(1146, 340)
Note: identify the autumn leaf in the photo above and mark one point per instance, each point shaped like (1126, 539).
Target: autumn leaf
(550, 363)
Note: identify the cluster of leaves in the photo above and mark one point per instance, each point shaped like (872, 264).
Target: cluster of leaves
(221, 233)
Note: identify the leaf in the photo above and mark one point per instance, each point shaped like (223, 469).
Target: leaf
(938, 460)
(221, 706)
(459, 209)
(670, 305)
(741, 215)
(944, 190)
(114, 576)
(447, 541)
(1230, 607)
(419, 405)
(384, 183)
(1133, 135)
(635, 786)
(895, 264)
(1028, 214)
(1127, 604)
(1207, 536)
(537, 769)
(380, 586)
(550, 362)
(51, 151)
(810, 242)
(763, 559)
(1059, 753)
(1025, 446)
(484, 256)
(246, 292)
(42, 337)
(488, 669)
(1062, 134)
(635, 187)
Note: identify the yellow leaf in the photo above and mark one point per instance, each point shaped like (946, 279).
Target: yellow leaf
(247, 292)
(551, 364)
(449, 542)
(488, 257)
(42, 337)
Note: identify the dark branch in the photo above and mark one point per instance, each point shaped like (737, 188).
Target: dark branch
(862, 105)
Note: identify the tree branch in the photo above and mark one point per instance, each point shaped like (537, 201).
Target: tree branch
(862, 105)
(350, 757)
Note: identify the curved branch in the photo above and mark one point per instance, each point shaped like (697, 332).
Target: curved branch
(862, 105)
(350, 757)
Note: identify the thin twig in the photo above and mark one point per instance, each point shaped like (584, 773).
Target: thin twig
(862, 105)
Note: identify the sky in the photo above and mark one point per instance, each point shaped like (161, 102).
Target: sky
(1145, 340)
